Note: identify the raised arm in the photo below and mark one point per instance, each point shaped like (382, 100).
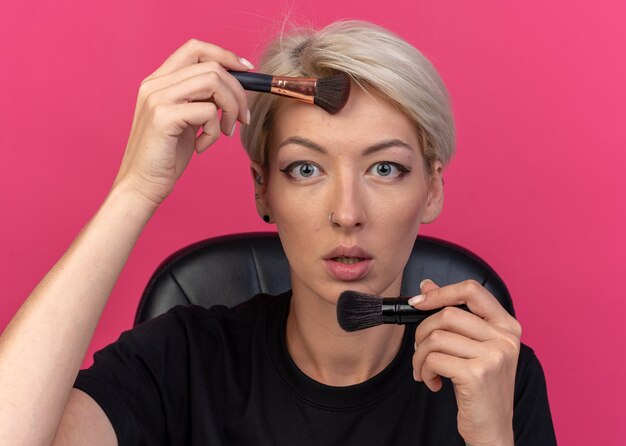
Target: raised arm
(42, 348)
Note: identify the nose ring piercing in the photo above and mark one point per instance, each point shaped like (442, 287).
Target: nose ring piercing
(330, 219)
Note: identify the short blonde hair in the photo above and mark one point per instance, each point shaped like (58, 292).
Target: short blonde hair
(376, 59)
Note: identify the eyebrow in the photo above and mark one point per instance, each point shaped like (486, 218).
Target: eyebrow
(368, 151)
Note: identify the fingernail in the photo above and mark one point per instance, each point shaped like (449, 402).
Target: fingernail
(423, 282)
(233, 130)
(414, 376)
(246, 62)
(248, 117)
(414, 346)
(416, 299)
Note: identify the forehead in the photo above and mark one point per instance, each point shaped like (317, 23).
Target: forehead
(364, 120)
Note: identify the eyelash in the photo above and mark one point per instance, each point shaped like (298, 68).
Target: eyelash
(288, 170)
(403, 170)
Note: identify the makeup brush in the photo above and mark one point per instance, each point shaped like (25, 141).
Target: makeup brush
(330, 93)
(356, 311)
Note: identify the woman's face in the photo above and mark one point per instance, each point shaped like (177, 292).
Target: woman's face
(364, 165)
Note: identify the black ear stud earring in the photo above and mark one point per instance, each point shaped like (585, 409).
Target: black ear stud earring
(259, 180)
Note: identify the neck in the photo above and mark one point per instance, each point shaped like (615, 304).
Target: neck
(329, 355)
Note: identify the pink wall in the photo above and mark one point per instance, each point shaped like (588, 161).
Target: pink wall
(538, 90)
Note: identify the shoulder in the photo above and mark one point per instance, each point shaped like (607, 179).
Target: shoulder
(528, 363)
(191, 321)
(532, 420)
(529, 371)
(530, 381)
(243, 315)
(144, 380)
(185, 324)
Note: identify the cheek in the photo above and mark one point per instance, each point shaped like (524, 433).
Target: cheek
(397, 222)
(293, 206)
(400, 208)
(299, 216)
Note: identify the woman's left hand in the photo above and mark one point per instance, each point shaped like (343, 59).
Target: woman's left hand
(478, 351)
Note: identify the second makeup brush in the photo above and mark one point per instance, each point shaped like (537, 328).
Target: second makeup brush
(356, 311)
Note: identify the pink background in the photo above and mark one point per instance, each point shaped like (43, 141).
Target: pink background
(538, 91)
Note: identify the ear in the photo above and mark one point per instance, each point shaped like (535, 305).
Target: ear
(259, 178)
(434, 202)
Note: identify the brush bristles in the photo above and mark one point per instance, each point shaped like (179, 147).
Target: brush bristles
(356, 311)
(332, 92)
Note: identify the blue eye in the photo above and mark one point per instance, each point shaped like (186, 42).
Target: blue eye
(388, 169)
(301, 170)
(306, 170)
(383, 169)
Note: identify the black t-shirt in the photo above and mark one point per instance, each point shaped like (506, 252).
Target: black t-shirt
(197, 376)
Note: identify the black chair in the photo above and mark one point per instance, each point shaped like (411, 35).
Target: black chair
(230, 269)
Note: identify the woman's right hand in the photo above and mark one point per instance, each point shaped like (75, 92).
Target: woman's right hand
(181, 96)
(57, 321)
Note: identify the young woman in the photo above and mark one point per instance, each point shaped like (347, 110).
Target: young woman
(348, 193)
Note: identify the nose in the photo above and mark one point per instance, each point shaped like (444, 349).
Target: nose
(347, 204)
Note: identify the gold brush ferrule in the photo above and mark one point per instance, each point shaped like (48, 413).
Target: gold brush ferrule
(302, 88)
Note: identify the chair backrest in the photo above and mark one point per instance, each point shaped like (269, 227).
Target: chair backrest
(230, 269)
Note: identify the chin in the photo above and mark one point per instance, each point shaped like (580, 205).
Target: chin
(332, 289)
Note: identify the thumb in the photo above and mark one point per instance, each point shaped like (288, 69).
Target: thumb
(427, 285)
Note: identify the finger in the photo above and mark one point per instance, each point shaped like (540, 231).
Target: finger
(203, 87)
(173, 119)
(195, 51)
(480, 301)
(439, 364)
(457, 321)
(158, 83)
(210, 133)
(427, 285)
(449, 343)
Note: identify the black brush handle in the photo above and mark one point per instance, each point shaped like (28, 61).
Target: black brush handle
(254, 81)
(396, 310)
